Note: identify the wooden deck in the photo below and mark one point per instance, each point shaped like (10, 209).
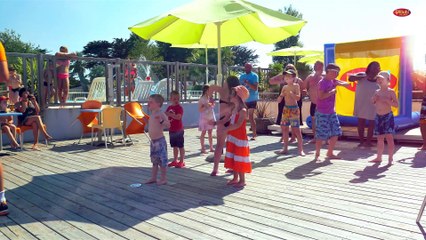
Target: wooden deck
(70, 191)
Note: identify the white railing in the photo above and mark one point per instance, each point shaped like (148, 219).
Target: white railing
(74, 97)
(194, 94)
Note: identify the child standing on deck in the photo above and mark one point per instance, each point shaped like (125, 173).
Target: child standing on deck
(237, 147)
(384, 99)
(291, 112)
(175, 113)
(156, 124)
(328, 125)
(205, 107)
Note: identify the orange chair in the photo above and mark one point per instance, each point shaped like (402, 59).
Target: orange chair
(139, 119)
(88, 119)
(20, 130)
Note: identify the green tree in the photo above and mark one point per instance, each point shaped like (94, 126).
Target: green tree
(289, 42)
(244, 55)
(171, 54)
(12, 43)
(120, 48)
(143, 48)
(78, 69)
(98, 49)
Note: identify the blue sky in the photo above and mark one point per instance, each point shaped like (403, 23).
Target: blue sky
(51, 23)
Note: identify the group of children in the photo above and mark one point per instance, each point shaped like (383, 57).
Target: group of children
(326, 123)
(234, 126)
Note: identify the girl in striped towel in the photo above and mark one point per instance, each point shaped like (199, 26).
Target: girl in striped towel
(237, 155)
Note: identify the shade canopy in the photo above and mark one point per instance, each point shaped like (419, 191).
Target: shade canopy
(311, 59)
(293, 52)
(218, 23)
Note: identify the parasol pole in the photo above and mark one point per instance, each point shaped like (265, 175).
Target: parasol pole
(207, 67)
(219, 56)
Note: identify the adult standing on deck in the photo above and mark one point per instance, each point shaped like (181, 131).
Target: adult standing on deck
(63, 73)
(364, 108)
(4, 78)
(251, 81)
(224, 119)
(311, 85)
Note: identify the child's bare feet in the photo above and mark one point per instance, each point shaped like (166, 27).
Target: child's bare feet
(332, 156)
(423, 147)
(35, 148)
(318, 159)
(150, 181)
(48, 137)
(232, 182)
(284, 151)
(203, 151)
(390, 161)
(376, 160)
(239, 184)
(211, 150)
(162, 182)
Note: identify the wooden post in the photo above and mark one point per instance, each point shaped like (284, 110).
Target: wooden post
(422, 208)
(40, 67)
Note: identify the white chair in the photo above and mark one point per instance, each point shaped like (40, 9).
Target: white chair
(97, 89)
(161, 88)
(142, 90)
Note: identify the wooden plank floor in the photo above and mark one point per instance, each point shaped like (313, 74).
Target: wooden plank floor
(70, 191)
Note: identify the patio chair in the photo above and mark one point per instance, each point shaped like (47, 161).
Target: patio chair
(21, 129)
(139, 119)
(110, 119)
(88, 119)
(142, 90)
(160, 88)
(97, 89)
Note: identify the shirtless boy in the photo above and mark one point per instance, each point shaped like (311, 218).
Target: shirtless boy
(156, 124)
(311, 85)
(384, 99)
(291, 94)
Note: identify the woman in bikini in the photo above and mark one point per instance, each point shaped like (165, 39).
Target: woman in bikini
(15, 83)
(63, 65)
(48, 89)
(225, 109)
(30, 110)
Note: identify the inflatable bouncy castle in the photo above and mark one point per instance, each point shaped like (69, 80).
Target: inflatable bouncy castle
(393, 56)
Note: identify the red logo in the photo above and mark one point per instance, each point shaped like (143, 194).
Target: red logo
(352, 87)
(401, 12)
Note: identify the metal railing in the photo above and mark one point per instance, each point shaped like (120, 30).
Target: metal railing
(186, 78)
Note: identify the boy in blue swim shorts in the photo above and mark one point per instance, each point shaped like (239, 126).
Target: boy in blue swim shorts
(384, 99)
(327, 123)
(291, 111)
(156, 124)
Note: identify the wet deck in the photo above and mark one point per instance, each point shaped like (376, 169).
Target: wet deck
(70, 191)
